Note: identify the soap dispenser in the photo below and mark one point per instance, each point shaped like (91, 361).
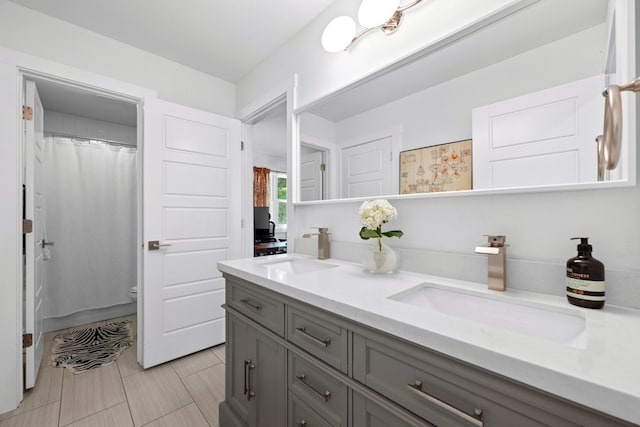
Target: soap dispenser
(585, 277)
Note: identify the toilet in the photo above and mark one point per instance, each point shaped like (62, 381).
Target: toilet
(133, 293)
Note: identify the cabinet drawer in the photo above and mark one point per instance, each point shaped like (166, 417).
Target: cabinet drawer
(300, 415)
(257, 305)
(368, 414)
(319, 335)
(320, 391)
(418, 381)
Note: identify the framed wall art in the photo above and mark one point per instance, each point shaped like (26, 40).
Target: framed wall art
(444, 167)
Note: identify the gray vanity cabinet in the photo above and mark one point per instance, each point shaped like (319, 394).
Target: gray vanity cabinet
(293, 364)
(367, 413)
(301, 415)
(326, 395)
(256, 387)
(256, 374)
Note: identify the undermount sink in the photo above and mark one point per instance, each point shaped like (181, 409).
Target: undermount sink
(297, 265)
(558, 324)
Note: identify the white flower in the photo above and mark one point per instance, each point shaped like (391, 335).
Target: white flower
(374, 213)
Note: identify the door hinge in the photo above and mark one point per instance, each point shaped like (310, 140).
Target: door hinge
(241, 145)
(27, 340)
(27, 226)
(323, 167)
(27, 112)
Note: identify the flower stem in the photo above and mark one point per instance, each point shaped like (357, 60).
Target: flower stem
(379, 244)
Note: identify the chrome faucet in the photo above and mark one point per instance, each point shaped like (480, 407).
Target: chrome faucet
(323, 241)
(497, 251)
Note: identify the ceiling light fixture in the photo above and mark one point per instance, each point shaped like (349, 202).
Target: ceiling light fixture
(340, 33)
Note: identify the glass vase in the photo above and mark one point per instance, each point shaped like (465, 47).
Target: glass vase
(380, 258)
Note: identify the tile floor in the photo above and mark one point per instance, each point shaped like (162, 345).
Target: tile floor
(184, 392)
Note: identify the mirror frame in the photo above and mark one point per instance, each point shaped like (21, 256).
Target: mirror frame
(628, 28)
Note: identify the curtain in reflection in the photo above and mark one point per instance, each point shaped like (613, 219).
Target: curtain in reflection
(260, 186)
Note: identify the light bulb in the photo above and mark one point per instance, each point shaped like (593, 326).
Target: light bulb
(373, 13)
(338, 34)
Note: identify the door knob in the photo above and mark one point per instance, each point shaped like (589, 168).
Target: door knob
(154, 245)
(44, 243)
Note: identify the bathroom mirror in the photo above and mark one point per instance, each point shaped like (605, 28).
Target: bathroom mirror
(516, 104)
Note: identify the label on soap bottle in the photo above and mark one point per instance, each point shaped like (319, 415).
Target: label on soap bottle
(589, 290)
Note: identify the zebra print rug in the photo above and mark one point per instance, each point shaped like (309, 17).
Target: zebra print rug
(90, 348)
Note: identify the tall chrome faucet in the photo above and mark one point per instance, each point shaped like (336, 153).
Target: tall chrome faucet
(323, 241)
(497, 251)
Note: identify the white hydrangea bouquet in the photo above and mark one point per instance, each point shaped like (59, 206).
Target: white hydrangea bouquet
(373, 214)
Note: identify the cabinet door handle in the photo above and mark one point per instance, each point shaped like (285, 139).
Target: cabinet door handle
(324, 343)
(248, 367)
(416, 388)
(256, 307)
(324, 396)
(302, 423)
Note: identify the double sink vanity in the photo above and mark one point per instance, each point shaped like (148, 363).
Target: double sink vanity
(324, 343)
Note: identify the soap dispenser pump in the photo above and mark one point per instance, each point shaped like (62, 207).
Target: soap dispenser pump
(585, 277)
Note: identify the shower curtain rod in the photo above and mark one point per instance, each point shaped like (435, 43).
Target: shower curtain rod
(80, 138)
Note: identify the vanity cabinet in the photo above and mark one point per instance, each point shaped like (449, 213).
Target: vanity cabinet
(367, 413)
(326, 395)
(292, 364)
(256, 373)
(319, 335)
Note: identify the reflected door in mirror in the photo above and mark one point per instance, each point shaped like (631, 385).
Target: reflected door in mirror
(311, 176)
(542, 138)
(367, 169)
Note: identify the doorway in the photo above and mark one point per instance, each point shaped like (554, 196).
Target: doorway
(81, 175)
(267, 133)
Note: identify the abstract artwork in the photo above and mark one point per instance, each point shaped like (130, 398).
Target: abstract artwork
(444, 167)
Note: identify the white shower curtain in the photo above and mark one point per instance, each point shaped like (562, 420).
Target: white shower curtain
(90, 195)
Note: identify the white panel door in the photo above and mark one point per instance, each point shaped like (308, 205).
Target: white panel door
(311, 176)
(191, 197)
(542, 138)
(34, 242)
(367, 169)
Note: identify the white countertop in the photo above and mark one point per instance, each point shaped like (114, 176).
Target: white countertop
(601, 370)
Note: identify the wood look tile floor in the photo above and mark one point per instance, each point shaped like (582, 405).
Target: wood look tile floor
(184, 392)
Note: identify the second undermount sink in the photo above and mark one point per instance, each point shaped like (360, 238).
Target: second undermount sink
(297, 265)
(557, 324)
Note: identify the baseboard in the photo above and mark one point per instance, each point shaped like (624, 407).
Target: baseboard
(88, 316)
(227, 416)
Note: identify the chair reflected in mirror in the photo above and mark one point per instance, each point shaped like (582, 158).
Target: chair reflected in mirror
(264, 234)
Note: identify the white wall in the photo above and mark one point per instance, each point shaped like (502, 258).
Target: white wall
(27, 31)
(82, 127)
(10, 259)
(269, 160)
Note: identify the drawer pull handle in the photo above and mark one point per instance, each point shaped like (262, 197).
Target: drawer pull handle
(302, 423)
(248, 367)
(417, 390)
(324, 396)
(324, 343)
(256, 307)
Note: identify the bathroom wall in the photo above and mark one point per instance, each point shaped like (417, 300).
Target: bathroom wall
(441, 231)
(82, 127)
(30, 32)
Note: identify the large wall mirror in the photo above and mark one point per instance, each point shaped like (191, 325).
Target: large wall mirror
(517, 104)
